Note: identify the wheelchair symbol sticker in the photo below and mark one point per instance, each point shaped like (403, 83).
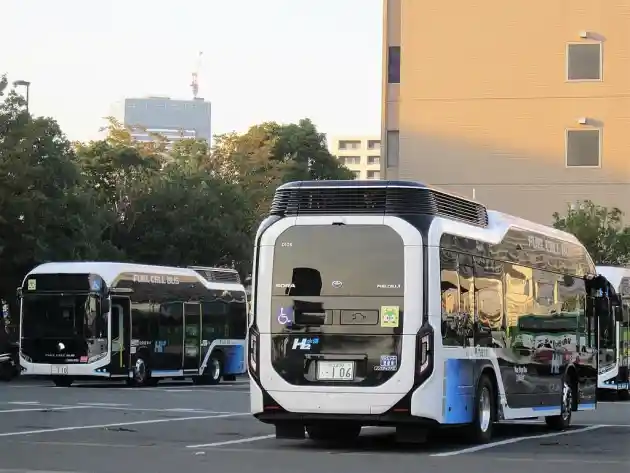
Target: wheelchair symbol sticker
(285, 317)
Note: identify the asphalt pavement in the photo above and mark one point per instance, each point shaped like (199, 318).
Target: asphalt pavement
(110, 428)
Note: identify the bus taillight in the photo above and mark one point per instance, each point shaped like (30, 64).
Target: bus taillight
(423, 352)
(253, 351)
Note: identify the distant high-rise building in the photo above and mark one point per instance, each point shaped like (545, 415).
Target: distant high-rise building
(360, 154)
(173, 119)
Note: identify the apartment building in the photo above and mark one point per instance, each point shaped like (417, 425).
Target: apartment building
(360, 154)
(523, 105)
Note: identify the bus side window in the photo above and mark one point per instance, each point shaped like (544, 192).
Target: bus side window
(489, 297)
(450, 299)
(215, 320)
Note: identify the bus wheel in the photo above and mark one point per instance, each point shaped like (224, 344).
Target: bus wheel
(480, 431)
(141, 373)
(563, 421)
(214, 370)
(63, 381)
(333, 432)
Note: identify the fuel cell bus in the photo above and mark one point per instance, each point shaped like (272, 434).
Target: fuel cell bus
(140, 323)
(615, 341)
(391, 304)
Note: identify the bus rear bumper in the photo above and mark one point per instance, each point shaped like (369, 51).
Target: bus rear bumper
(389, 419)
(284, 408)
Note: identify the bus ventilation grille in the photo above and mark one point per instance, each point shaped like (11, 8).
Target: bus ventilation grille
(218, 274)
(376, 201)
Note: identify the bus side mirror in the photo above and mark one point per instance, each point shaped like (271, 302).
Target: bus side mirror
(105, 306)
(617, 313)
(18, 291)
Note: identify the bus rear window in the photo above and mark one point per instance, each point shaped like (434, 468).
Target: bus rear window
(339, 260)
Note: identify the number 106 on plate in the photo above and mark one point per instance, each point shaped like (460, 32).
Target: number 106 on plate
(335, 370)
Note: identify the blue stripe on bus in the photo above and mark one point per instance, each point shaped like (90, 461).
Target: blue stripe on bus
(458, 391)
(544, 408)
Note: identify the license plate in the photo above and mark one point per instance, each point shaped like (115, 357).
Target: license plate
(58, 369)
(335, 370)
(623, 386)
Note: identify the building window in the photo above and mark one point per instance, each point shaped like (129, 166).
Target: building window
(393, 145)
(393, 65)
(584, 61)
(351, 160)
(374, 160)
(583, 148)
(349, 144)
(374, 144)
(373, 174)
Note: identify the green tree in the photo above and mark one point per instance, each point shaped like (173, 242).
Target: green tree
(114, 164)
(270, 154)
(600, 229)
(183, 217)
(3, 84)
(45, 212)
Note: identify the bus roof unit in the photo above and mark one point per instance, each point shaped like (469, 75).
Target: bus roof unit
(374, 198)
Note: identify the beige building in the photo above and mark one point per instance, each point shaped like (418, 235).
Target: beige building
(526, 105)
(360, 154)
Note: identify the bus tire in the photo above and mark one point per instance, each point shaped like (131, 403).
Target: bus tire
(62, 381)
(212, 372)
(484, 413)
(141, 372)
(337, 432)
(563, 420)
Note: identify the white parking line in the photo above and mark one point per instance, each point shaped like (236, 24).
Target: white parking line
(179, 409)
(118, 424)
(26, 403)
(29, 386)
(102, 404)
(232, 442)
(240, 391)
(43, 408)
(487, 446)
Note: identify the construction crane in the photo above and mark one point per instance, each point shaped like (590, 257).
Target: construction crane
(195, 76)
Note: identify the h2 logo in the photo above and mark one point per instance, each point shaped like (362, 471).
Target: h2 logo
(305, 343)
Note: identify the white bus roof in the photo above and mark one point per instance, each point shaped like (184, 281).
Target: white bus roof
(506, 221)
(110, 271)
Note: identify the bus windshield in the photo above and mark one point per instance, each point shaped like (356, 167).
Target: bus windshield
(63, 316)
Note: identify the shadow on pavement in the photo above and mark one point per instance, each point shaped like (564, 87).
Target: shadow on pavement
(384, 440)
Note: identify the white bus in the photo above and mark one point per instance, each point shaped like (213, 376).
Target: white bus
(394, 304)
(139, 323)
(615, 340)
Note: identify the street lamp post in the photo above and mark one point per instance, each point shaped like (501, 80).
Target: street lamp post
(26, 84)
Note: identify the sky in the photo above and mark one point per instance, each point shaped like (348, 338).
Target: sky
(262, 60)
